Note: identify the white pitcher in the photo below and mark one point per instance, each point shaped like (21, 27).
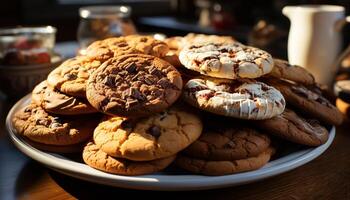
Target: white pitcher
(314, 38)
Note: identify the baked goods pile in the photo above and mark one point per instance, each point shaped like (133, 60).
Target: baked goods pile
(122, 105)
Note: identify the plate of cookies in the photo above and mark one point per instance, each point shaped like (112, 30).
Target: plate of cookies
(187, 113)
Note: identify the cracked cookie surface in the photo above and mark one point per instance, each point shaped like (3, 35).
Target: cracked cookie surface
(71, 76)
(228, 143)
(283, 69)
(132, 44)
(295, 128)
(226, 60)
(244, 99)
(39, 126)
(134, 85)
(308, 101)
(98, 159)
(157, 136)
(53, 101)
(217, 168)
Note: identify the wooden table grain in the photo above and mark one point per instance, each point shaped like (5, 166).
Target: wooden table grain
(327, 177)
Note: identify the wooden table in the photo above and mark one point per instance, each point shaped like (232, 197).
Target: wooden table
(327, 177)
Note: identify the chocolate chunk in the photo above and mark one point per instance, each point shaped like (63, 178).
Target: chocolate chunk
(135, 93)
(131, 68)
(229, 145)
(126, 124)
(124, 44)
(104, 102)
(154, 131)
(109, 81)
(143, 39)
(223, 50)
(154, 71)
(148, 81)
(264, 87)
(163, 115)
(164, 83)
(70, 76)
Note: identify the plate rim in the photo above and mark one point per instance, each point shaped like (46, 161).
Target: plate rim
(153, 182)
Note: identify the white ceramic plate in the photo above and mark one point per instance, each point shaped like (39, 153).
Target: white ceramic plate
(171, 179)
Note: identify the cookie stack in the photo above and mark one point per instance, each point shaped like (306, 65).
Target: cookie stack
(121, 106)
(246, 83)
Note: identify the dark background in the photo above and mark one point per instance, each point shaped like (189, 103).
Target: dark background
(183, 15)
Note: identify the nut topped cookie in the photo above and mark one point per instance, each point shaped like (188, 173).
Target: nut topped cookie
(53, 101)
(231, 142)
(308, 101)
(71, 76)
(157, 136)
(133, 44)
(134, 85)
(295, 128)
(244, 99)
(36, 124)
(283, 69)
(226, 60)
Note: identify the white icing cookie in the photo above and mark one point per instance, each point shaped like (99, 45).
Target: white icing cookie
(245, 99)
(226, 60)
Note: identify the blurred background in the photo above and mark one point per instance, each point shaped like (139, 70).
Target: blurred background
(256, 23)
(172, 17)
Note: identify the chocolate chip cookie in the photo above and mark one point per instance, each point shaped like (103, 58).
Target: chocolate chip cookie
(283, 69)
(71, 76)
(295, 128)
(157, 136)
(39, 126)
(133, 44)
(73, 148)
(98, 159)
(134, 85)
(226, 60)
(231, 142)
(218, 168)
(244, 99)
(308, 101)
(53, 101)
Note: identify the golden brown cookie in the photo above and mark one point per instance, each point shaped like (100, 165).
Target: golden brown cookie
(157, 136)
(98, 159)
(71, 76)
(218, 168)
(53, 101)
(133, 44)
(134, 85)
(293, 127)
(39, 126)
(73, 148)
(283, 69)
(308, 101)
(231, 142)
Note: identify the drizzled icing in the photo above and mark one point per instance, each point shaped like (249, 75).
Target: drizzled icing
(246, 100)
(229, 60)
